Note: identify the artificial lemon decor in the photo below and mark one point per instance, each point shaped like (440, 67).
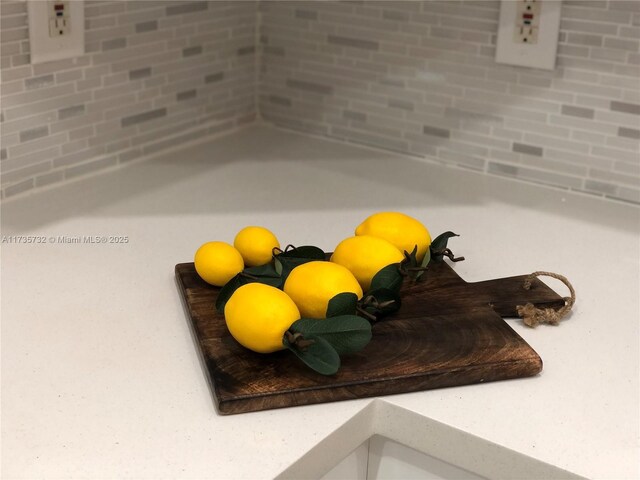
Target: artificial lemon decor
(401, 230)
(256, 245)
(218, 262)
(313, 284)
(365, 256)
(274, 299)
(258, 315)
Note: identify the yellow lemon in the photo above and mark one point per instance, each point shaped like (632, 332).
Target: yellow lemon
(257, 316)
(218, 262)
(401, 230)
(255, 244)
(312, 284)
(365, 256)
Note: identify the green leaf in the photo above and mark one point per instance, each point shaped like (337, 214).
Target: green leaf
(342, 304)
(290, 259)
(381, 302)
(346, 333)
(439, 244)
(277, 265)
(306, 251)
(388, 277)
(319, 355)
(424, 263)
(227, 290)
(267, 270)
(266, 274)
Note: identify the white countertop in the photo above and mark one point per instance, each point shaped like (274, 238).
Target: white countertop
(101, 377)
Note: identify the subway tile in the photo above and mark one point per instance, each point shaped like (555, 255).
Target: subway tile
(371, 73)
(629, 132)
(601, 14)
(353, 42)
(502, 169)
(630, 32)
(146, 26)
(600, 187)
(37, 144)
(69, 112)
(186, 95)
(588, 27)
(34, 96)
(248, 50)
(306, 14)
(631, 108)
(272, 50)
(91, 167)
(461, 159)
(622, 44)
(549, 178)
(279, 100)
(13, 8)
(69, 76)
(49, 178)
(357, 116)
(585, 39)
(392, 144)
(435, 131)
(401, 104)
(395, 15)
(577, 111)
(214, 77)
(33, 133)
(624, 5)
(310, 86)
(143, 117)
(30, 159)
(19, 188)
(78, 157)
(114, 44)
(618, 178)
(626, 167)
(628, 194)
(615, 154)
(139, 73)
(186, 8)
(527, 149)
(21, 174)
(38, 82)
(624, 143)
(191, 51)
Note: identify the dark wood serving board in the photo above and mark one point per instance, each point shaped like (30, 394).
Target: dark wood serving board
(448, 332)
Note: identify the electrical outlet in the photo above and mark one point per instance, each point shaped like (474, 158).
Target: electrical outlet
(527, 21)
(528, 33)
(56, 29)
(59, 21)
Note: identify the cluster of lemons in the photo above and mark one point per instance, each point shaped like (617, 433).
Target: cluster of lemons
(258, 315)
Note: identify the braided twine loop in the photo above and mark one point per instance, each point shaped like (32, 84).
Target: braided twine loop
(533, 316)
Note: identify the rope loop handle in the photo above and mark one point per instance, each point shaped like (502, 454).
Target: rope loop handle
(533, 316)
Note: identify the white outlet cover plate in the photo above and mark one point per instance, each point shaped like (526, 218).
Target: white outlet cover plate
(541, 54)
(45, 48)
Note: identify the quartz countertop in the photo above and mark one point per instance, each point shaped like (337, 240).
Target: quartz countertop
(101, 377)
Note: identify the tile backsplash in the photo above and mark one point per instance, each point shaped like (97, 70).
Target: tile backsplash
(416, 77)
(155, 74)
(420, 78)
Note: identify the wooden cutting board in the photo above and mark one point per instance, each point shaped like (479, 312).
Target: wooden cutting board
(448, 332)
